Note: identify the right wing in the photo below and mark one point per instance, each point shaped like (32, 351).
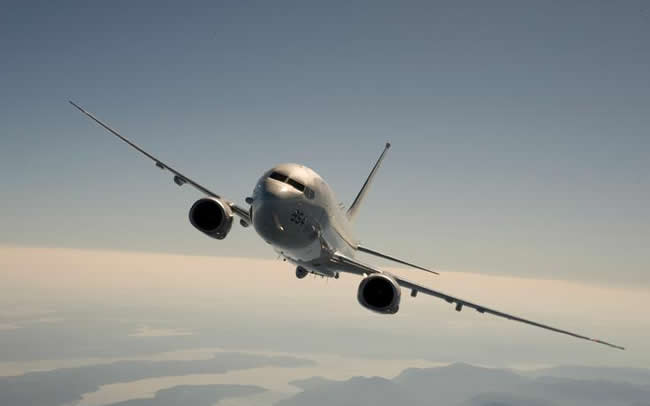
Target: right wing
(179, 178)
(350, 265)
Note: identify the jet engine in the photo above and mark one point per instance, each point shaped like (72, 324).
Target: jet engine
(379, 293)
(211, 216)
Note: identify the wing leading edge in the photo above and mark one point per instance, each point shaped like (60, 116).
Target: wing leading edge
(349, 265)
(179, 178)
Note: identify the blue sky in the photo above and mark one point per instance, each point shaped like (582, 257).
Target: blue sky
(520, 129)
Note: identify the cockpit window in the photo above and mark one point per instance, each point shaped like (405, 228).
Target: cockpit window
(278, 176)
(296, 184)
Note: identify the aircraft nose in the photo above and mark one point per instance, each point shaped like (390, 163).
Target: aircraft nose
(276, 214)
(273, 225)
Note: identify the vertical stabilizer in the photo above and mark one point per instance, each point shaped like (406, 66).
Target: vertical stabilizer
(354, 208)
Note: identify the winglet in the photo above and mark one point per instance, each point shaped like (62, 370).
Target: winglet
(354, 208)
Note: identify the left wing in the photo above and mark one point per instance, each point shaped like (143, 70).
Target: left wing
(179, 178)
(350, 265)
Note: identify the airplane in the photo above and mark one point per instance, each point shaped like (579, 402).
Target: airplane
(295, 211)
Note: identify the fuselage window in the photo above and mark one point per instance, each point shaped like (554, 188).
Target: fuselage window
(278, 176)
(296, 184)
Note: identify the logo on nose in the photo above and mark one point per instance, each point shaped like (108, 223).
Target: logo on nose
(297, 217)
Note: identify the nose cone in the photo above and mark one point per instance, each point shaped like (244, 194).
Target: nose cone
(279, 219)
(273, 221)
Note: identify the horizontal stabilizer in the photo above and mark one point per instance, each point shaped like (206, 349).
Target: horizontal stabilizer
(399, 261)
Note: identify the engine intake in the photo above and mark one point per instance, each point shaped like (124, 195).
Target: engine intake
(211, 216)
(379, 293)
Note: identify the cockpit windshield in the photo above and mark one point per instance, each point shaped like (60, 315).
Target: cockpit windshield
(280, 177)
(296, 184)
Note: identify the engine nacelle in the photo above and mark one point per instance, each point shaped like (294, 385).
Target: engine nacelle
(211, 216)
(379, 293)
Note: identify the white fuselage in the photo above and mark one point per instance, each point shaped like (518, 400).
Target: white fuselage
(296, 212)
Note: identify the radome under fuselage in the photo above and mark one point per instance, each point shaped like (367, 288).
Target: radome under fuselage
(294, 210)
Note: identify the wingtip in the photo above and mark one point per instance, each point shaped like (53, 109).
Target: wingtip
(427, 270)
(388, 145)
(430, 271)
(618, 347)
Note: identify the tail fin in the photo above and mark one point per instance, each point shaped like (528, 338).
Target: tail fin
(352, 211)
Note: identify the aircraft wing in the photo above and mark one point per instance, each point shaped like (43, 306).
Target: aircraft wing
(350, 265)
(179, 178)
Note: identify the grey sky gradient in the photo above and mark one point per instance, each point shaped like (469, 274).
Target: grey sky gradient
(520, 129)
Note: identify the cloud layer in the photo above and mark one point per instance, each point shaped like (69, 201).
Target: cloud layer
(263, 299)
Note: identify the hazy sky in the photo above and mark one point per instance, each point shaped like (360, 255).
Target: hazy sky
(100, 303)
(520, 129)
